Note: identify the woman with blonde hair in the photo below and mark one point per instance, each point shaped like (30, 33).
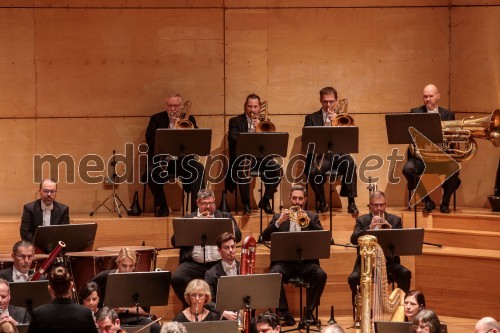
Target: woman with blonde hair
(8, 327)
(197, 295)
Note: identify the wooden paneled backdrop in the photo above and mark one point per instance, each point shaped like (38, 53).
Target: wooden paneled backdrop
(82, 77)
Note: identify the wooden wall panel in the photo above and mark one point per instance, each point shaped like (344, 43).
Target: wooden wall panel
(475, 66)
(113, 62)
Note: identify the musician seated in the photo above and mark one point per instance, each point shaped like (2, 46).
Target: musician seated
(228, 266)
(378, 218)
(267, 322)
(44, 211)
(317, 166)
(107, 321)
(311, 273)
(269, 170)
(413, 303)
(126, 262)
(22, 255)
(197, 295)
(426, 321)
(8, 327)
(11, 313)
(187, 169)
(89, 296)
(61, 313)
(192, 264)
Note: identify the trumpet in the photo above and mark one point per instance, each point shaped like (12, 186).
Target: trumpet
(383, 224)
(183, 122)
(206, 214)
(299, 216)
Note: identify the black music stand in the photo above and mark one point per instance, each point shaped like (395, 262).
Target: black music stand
(137, 288)
(399, 242)
(260, 145)
(29, 294)
(428, 124)
(78, 237)
(222, 326)
(254, 291)
(331, 140)
(200, 231)
(300, 246)
(182, 142)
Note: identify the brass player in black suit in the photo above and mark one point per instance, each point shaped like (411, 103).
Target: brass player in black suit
(270, 170)
(189, 170)
(44, 211)
(192, 264)
(312, 272)
(414, 166)
(343, 163)
(373, 221)
(15, 314)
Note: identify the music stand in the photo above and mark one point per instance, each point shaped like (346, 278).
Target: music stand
(182, 142)
(393, 327)
(428, 124)
(399, 242)
(29, 294)
(78, 237)
(255, 291)
(137, 288)
(260, 145)
(222, 326)
(331, 140)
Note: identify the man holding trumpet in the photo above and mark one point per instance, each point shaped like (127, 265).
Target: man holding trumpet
(311, 273)
(378, 218)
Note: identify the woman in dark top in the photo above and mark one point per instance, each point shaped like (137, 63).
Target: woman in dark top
(414, 302)
(89, 296)
(197, 294)
(61, 315)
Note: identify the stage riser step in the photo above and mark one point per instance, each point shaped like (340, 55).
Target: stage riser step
(467, 222)
(468, 239)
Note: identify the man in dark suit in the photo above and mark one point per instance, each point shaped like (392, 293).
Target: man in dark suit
(374, 221)
(15, 314)
(317, 166)
(311, 273)
(107, 320)
(22, 256)
(228, 266)
(160, 167)
(269, 170)
(194, 262)
(414, 166)
(44, 211)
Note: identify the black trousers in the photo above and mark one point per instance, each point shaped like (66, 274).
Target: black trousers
(345, 166)
(188, 170)
(312, 273)
(414, 167)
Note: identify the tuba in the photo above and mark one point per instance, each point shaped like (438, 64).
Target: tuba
(376, 301)
(458, 138)
(264, 124)
(299, 216)
(183, 121)
(248, 251)
(341, 117)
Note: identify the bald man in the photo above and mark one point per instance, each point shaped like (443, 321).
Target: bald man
(487, 324)
(414, 166)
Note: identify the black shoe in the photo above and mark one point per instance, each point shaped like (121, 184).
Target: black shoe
(247, 210)
(322, 208)
(310, 319)
(444, 208)
(265, 206)
(162, 211)
(429, 206)
(352, 209)
(287, 319)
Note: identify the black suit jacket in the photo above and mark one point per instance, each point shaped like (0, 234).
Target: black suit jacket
(237, 125)
(19, 314)
(315, 224)
(61, 316)
(314, 119)
(159, 120)
(212, 278)
(186, 251)
(33, 217)
(363, 224)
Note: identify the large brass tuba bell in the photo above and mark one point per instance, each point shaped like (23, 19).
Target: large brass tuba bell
(264, 124)
(183, 121)
(458, 138)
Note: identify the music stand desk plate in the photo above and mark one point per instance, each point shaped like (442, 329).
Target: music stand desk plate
(405, 242)
(222, 326)
(134, 328)
(262, 144)
(181, 142)
(314, 244)
(397, 125)
(392, 327)
(36, 292)
(334, 139)
(190, 231)
(78, 237)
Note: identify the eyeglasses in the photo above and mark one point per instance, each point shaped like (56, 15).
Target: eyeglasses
(207, 203)
(421, 326)
(197, 295)
(325, 101)
(22, 256)
(49, 191)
